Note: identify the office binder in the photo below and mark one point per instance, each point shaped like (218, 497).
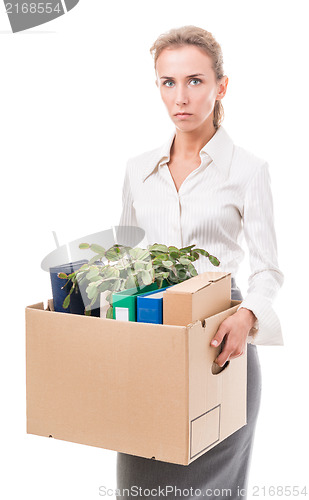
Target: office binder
(124, 302)
(149, 306)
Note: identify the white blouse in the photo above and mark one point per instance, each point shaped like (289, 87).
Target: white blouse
(227, 197)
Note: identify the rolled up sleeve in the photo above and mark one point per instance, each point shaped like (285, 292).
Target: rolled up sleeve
(266, 278)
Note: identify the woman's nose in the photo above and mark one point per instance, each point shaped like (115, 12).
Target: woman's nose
(181, 97)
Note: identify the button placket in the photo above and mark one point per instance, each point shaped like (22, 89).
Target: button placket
(166, 175)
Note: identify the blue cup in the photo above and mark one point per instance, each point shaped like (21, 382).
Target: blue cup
(60, 293)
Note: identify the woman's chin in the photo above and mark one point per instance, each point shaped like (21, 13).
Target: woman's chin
(185, 126)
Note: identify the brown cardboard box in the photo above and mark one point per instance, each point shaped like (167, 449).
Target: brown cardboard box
(138, 388)
(197, 298)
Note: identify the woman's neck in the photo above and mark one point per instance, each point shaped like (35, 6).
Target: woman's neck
(187, 145)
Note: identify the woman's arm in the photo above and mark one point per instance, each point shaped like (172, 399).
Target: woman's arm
(266, 278)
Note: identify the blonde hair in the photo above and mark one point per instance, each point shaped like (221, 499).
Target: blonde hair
(193, 35)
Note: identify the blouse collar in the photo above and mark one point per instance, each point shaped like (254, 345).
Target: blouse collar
(219, 148)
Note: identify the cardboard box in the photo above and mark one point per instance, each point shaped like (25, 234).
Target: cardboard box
(197, 298)
(139, 388)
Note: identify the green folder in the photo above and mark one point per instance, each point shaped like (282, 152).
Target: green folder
(124, 302)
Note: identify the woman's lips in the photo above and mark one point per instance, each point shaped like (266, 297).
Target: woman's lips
(183, 115)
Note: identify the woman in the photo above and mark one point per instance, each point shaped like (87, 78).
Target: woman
(200, 188)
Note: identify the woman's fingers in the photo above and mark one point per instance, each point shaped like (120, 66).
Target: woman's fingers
(221, 332)
(229, 351)
(234, 330)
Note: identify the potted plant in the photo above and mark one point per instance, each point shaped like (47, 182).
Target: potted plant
(122, 267)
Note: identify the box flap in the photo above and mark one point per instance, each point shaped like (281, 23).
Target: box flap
(197, 282)
(50, 305)
(39, 305)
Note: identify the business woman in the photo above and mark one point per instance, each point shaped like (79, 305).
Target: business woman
(200, 188)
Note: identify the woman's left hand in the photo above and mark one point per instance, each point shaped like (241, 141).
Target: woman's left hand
(236, 329)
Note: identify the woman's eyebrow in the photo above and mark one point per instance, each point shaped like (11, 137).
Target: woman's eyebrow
(189, 76)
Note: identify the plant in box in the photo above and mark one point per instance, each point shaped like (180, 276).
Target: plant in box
(122, 267)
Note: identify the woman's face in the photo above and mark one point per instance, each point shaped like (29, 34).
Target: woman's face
(188, 85)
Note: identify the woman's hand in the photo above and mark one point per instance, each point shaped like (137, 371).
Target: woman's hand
(236, 329)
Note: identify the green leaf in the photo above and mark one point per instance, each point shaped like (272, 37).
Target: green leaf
(97, 248)
(62, 276)
(80, 276)
(146, 278)
(157, 260)
(106, 285)
(139, 254)
(97, 280)
(190, 258)
(83, 246)
(160, 255)
(184, 261)
(165, 274)
(173, 249)
(111, 254)
(201, 251)
(192, 270)
(83, 267)
(187, 249)
(175, 255)
(173, 278)
(130, 282)
(66, 301)
(111, 272)
(149, 266)
(88, 310)
(138, 265)
(182, 274)
(159, 248)
(159, 281)
(195, 255)
(91, 290)
(214, 260)
(167, 263)
(94, 271)
(94, 300)
(93, 260)
(109, 313)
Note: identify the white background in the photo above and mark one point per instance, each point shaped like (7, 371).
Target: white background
(78, 99)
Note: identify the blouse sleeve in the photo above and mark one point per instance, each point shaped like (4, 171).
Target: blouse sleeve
(128, 232)
(266, 278)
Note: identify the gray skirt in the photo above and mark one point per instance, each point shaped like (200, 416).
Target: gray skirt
(222, 472)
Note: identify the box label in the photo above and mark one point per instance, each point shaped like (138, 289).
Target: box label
(122, 313)
(205, 431)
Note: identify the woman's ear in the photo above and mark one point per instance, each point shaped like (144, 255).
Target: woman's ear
(222, 86)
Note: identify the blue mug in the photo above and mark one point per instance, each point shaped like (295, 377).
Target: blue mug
(60, 293)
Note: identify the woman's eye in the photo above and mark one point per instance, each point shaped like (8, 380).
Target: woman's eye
(170, 83)
(166, 83)
(195, 80)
